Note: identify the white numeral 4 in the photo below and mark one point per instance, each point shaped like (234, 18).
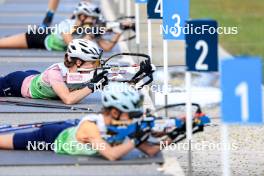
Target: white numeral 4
(158, 8)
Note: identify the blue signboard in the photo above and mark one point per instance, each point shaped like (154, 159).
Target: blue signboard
(175, 15)
(201, 45)
(140, 1)
(154, 8)
(241, 89)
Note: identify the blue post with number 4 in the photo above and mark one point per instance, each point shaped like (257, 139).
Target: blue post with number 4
(154, 9)
(201, 45)
(242, 92)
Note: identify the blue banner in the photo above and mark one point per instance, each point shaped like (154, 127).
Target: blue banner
(201, 45)
(242, 92)
(154, 8)
(175, 15)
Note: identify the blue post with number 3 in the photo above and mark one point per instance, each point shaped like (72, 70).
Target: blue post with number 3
(175, 15)
(242, 92)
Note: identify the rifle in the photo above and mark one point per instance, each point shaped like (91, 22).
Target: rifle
(137, 74)
(160, 125)
(118, 132)
(121, 24)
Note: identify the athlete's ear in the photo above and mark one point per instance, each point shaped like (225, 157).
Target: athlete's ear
(68, 58)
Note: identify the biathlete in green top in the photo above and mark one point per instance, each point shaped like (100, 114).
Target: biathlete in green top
(121, 103)
(52, 83)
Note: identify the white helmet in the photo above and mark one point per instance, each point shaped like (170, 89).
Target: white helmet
(123, 97)
(84, 49)
(88, 9)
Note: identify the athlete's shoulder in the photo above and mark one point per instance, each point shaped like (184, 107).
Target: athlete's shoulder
(93, 117)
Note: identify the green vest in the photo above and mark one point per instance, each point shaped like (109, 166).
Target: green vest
(54, 43)
(40, 90)
(66, 143)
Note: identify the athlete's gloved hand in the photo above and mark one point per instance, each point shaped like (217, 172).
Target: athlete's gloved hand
(98, 81)
(140, 135)
(145, 66)
(177, 133)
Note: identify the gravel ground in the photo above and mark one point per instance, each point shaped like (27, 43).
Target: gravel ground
(246, 144)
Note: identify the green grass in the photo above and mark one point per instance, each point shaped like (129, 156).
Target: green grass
(247, 15)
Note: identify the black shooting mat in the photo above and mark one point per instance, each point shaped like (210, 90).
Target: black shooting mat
(83, 170)
(36, 158)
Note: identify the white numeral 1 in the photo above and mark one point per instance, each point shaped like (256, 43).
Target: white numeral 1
(200, 62)
(242, 91)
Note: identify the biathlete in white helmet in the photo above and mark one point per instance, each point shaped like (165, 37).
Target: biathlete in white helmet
(52, 84)
(121, 103)
(57, 38)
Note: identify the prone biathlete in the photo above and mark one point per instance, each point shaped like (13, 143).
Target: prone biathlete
(121, 103)
(52, 83)
(85, 13)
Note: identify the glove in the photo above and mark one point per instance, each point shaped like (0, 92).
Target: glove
(127, 26)
(145, 66)
(98, 81)
(140, 135)
(177, 133)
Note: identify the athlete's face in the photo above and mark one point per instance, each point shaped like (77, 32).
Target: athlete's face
(124, 117)
(89, 65)
(87, 19)
(117, 115)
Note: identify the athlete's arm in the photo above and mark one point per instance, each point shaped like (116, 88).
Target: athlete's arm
(67, 38)
(53, 5)
(107, 45)
(88, 133)
(151, 149)
(68, 97)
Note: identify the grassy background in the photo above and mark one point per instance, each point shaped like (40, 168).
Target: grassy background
(247, 15)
